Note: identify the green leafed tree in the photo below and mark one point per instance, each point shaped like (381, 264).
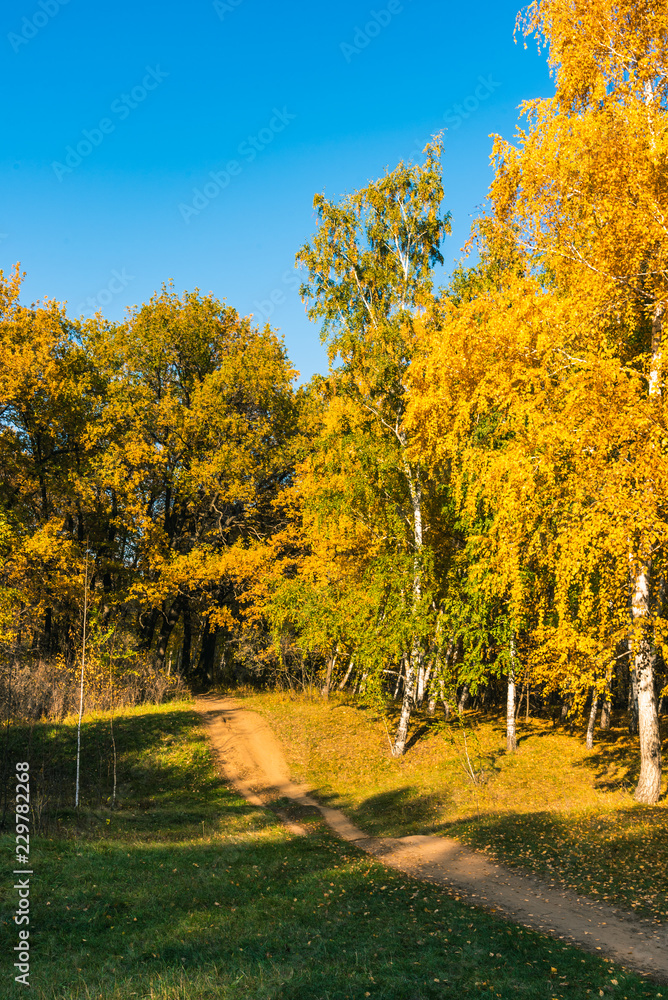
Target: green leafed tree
(369, 273)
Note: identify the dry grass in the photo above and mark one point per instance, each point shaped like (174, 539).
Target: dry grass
(49, 689)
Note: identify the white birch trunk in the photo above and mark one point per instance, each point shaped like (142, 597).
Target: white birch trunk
(400, 674)
(348, 673)
(423, 682)
(414, 663)
(592, 721)
(649, 782)
(511, 733)
(409, 689)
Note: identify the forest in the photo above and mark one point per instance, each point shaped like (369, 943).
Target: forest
(470, 507)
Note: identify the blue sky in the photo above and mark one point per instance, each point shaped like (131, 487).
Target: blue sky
(147, 142)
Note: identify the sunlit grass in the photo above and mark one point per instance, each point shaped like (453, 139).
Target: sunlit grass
(553, 807)
(185, 891)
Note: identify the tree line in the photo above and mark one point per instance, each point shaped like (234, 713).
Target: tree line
(471, 503)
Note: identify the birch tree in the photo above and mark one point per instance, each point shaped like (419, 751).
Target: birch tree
(568, 347)
(369, 270)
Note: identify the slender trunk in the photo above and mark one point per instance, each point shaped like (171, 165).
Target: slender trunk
(528, 696)
(632, 702)
(463, 698)
(407, 704)
(421, 684)
(415, 660)
(400, 674)
(111, 725)
(348, 673)
(606, 708)
(511, 734)
(328, 677)
(169, 620)
(606, 712)
(592, 720)
(649, 782)
(186, 649)
(83, 668)
(206, 667)
(433, 694)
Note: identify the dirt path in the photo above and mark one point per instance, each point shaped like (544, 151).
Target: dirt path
(252, 759)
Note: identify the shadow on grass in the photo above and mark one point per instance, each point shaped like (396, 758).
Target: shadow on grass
(618, 856)
(153, 749)
(155, 904)
(615, 758)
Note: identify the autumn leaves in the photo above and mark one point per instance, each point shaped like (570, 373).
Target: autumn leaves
(476, 491)
(555, 346)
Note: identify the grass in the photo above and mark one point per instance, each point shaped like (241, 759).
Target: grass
(186, 892)
(553, 808)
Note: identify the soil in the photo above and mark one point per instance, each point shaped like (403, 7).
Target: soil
(252, 760)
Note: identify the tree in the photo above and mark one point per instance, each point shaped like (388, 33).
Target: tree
(369, 270)
(194, 443)
(47, 404)
(567, 341)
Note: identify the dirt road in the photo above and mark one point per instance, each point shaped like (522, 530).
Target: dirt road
(252, 760)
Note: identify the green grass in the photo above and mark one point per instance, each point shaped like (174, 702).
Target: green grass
(185, 891)
(553, 808)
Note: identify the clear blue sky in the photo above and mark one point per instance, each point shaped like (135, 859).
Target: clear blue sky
(302, 97)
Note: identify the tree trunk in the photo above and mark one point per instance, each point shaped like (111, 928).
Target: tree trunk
(632, 703)
(400, 674)
(649, 783)
(592, 720)
(207, 656)
(511, 733)
(186, 649)
(414, 664)
(169, 620)
(606, 712)
(463, 698)
(423, 682)
(433, 694)
(406, 706)
(331, 663)
(348, 673)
